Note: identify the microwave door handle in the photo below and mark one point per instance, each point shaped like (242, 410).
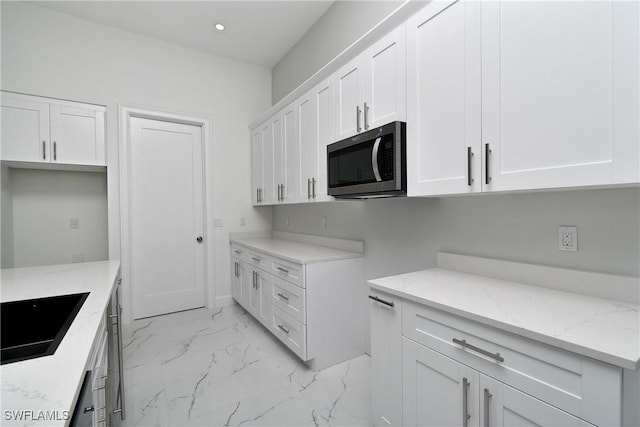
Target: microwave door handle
(374, 159)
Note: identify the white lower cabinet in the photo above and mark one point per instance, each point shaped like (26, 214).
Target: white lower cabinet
(317, 310)
(439, 391)
(386, 358)
(433, 368)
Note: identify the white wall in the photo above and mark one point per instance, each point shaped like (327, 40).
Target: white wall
(52, 54)
(43, 204)
(404, 234)
(341, 25)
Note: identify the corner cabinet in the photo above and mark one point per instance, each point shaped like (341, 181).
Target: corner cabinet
(49, 131)
(433, 368)
(292, 299)
(509, 96)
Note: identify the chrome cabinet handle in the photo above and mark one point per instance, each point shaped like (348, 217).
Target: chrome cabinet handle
(235, 251)
(366, 113)
(253, 279)
(89, 409)
(308, 188)
(44, 150)
(284, 270)
(487, 396)
(465, 344)
(257, 195)
(465, 398)
(358, 128)
(284, 297)
(469, 156)
(487, 175)
(381, 301)
(256, 259)
(285, 330)
(313, 186)
(55, 151)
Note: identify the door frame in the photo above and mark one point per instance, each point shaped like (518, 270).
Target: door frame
(125, 113)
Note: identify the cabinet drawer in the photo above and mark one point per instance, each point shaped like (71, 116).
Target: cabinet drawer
(238, 252)
(288, 271)
(290, 299)
(257, 259)
(290, 331)
(579, 385)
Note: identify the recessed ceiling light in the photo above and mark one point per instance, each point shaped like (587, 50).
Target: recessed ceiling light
(219, 27)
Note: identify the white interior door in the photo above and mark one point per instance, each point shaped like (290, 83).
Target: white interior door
(166, 217)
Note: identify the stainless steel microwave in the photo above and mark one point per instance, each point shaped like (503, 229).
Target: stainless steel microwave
(369, 165)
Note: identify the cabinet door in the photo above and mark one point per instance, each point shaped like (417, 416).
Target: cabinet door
(236, 279)
(268, 143)
(254, 292)
(256, 158)
(502, 405)
(385, 83)
(307, 129)
(386, 360)
(25, 130)
(560, 93)
(444, 103)
(326, 135)
(290, 148)
(77, 135)
(437, 390)
(265, 287)
(349, 98)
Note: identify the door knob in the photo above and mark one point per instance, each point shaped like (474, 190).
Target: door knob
(199, 239)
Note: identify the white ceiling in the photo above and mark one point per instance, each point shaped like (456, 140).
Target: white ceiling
(257, 32)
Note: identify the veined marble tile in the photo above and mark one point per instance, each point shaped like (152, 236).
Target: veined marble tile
(221, 367)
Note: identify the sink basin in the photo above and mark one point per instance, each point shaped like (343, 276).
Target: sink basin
(34, 328)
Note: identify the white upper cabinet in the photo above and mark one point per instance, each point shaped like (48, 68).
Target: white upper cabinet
(560, 93)
(256, 159)
(371, 89)
(270, 130)
(44, 130)
(443, 97)
(307, 130)
(289, 154)
(324, 94)
(522, 95)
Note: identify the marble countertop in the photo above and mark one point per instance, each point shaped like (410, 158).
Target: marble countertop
(49, 385)
(298, 252)
(599, 328)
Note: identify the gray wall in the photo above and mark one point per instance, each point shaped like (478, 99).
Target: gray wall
(341, 25)
(405, 234)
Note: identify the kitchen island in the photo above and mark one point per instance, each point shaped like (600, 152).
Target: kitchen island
(43, 391)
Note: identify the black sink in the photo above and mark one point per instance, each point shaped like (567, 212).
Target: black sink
(34, 328)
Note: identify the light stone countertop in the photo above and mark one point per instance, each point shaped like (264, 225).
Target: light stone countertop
(52, 383)
(600, 328)
(298, 252)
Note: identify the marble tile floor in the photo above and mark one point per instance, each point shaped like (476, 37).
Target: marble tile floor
(223, 368)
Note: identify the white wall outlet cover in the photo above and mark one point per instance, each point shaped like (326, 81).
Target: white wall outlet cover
(568, 238)
(323, 222)
(74, 223)
(217, 222)
(243, 221)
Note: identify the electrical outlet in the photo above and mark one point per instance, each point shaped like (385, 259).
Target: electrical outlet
(243, 221)
(323, 223)
(74, 223)
(217, 222)
(568, 238)
(286, 221)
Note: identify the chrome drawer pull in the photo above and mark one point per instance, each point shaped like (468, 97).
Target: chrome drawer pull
(255, 259)
(487, 396)
(284, 270)
(465, 402)
(237, 252)
(465, 344)
(285, 330)
(284, 297)
(381, 301)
